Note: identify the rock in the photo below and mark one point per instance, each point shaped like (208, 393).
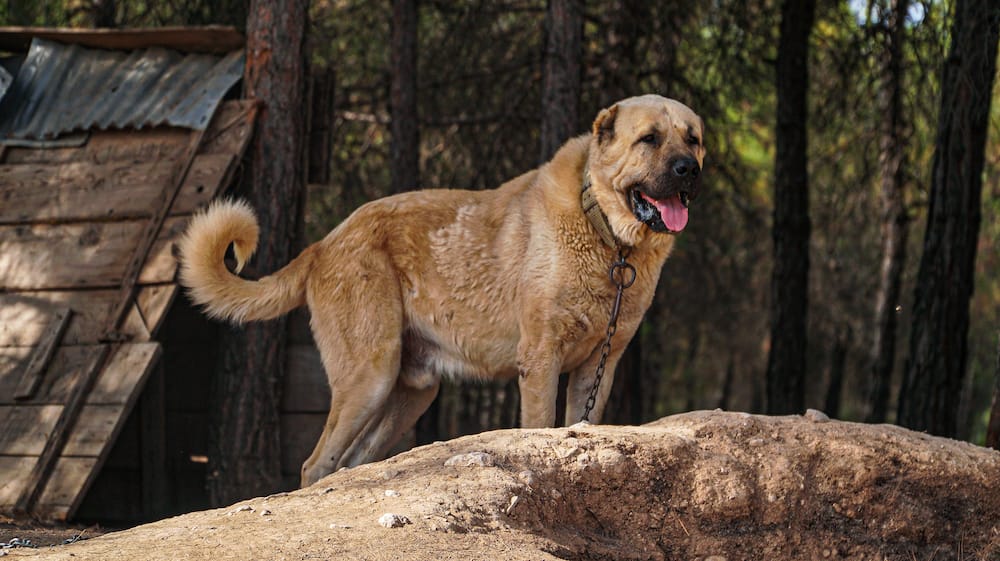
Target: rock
(390, 520)
(471, 459)
(816, 416)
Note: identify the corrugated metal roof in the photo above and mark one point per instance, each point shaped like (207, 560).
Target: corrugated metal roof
(65, 88)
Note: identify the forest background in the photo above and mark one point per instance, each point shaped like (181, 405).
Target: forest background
(469, 83)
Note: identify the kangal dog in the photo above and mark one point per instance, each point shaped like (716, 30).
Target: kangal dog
(496, 284)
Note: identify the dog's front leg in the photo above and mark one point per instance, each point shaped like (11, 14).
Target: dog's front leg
(581, 379)
(538, 366)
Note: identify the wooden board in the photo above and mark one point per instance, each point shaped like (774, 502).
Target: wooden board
(88, 255)
(67, 365)
(24, 430)
(24, 315)
(82, 190)
(215, 39)
(228, 134)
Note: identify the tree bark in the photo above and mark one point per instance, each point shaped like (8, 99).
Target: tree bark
(838, 360)
(786, 364)
(932, 381)
(561, 86)
(405, 164)
(320, 125)
(892, 149)
(244, 457)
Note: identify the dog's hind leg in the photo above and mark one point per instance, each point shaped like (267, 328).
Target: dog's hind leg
(357, 323)
(401, 411)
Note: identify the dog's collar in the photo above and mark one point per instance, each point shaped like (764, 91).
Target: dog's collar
(595, 215)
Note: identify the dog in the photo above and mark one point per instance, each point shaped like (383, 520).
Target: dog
(488, 285)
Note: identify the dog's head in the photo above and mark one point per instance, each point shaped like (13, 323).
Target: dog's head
(645, 162)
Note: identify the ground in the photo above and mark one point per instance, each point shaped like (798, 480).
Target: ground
(706, 486)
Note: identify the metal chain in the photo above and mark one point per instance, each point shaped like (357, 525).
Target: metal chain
(622, 274)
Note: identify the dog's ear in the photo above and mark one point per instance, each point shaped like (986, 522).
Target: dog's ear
(604, 124)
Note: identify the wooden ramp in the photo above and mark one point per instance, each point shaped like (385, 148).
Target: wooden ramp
(86, 278)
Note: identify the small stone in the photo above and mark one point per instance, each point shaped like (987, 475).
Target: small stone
(390, 520)
(391, 493)
(816, 416)
(513, 502)
(265, 512)
(244, 508)
(335, 526)
(527, 477)
(555, 494)
(471, 459)
(328, 490)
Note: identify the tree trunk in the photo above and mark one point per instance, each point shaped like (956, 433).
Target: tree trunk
(786, 364)
(838, 360)
(932, 381)
(405, 165)
(320, 126)
(892, 148)
(993, 427)
(561, 86)
(244, 456)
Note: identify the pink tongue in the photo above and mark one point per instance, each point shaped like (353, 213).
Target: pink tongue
(672, 212)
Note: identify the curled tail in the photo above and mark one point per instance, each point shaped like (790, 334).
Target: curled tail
(225, 295)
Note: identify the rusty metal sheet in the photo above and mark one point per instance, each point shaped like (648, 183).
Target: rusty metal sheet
(61, 89)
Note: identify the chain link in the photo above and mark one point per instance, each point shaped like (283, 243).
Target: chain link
(622, 274)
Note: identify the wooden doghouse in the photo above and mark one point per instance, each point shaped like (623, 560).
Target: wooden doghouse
(110, 141)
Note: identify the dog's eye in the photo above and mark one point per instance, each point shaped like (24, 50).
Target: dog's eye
(693, 140)
(649, 139)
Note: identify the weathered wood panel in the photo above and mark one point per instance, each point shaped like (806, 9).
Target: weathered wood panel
(23, 316)
(67, 365)
(58, 495)
(228, 134)
(89, 255)
(26, 428)
(78, 191)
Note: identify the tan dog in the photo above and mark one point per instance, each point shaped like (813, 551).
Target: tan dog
(474, 284)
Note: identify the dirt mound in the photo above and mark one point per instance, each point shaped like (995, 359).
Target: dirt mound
(702, 485)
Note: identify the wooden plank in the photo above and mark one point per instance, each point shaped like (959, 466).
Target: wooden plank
(23, 316)
(87, 255)
(41, 472)
(228, 133)
(150, 235)
(214, 39)
(99, 425)
(154, 302)
(68, 364)
(32, 376)
(85, 190)
(125, 375)
(26, 428)
(148, 145)
(70, 475)
(15, 470)
(94, 430)
(231, 128)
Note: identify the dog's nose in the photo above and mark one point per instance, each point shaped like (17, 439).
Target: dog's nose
(684, 167)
